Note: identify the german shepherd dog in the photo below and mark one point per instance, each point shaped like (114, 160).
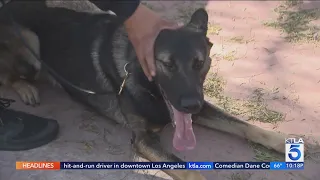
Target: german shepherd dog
(92, 51)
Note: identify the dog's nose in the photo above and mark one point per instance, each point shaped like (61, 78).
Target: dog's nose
(190, 105)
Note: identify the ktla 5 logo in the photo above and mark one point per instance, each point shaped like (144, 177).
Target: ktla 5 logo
(294, 150)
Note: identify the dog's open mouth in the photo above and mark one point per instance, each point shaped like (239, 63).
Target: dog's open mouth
(183, 138)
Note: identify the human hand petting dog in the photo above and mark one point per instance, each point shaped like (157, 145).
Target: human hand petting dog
(143, 28)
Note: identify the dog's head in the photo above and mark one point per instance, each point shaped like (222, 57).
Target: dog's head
(182, 62)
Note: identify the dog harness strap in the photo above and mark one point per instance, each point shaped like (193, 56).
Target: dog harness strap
(123, 9)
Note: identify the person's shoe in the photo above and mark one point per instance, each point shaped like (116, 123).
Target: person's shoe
(22, 131)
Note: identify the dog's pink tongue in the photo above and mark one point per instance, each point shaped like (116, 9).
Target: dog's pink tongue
(183, 137)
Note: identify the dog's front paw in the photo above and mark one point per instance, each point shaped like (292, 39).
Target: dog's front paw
(27, 92)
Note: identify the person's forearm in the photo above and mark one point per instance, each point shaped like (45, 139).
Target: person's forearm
(123, 9)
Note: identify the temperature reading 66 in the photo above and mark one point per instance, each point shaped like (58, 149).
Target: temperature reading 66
(277, 165)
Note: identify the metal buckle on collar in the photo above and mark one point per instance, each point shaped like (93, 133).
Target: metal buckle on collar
(125, 78)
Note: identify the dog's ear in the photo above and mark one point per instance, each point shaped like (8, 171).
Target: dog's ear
(199, 21)
(207, 65)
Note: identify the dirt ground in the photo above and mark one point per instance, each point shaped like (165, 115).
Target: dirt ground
(265, 70)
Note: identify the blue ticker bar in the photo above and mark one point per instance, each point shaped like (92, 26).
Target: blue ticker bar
(286, 166)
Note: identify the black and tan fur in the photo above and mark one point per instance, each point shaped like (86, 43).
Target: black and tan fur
(18, 67)
(91, 50)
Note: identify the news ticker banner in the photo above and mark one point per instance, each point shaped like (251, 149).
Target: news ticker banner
(160, 165)
(294, 157)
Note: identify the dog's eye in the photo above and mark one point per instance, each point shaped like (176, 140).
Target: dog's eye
(169, 65)
(197, 64)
